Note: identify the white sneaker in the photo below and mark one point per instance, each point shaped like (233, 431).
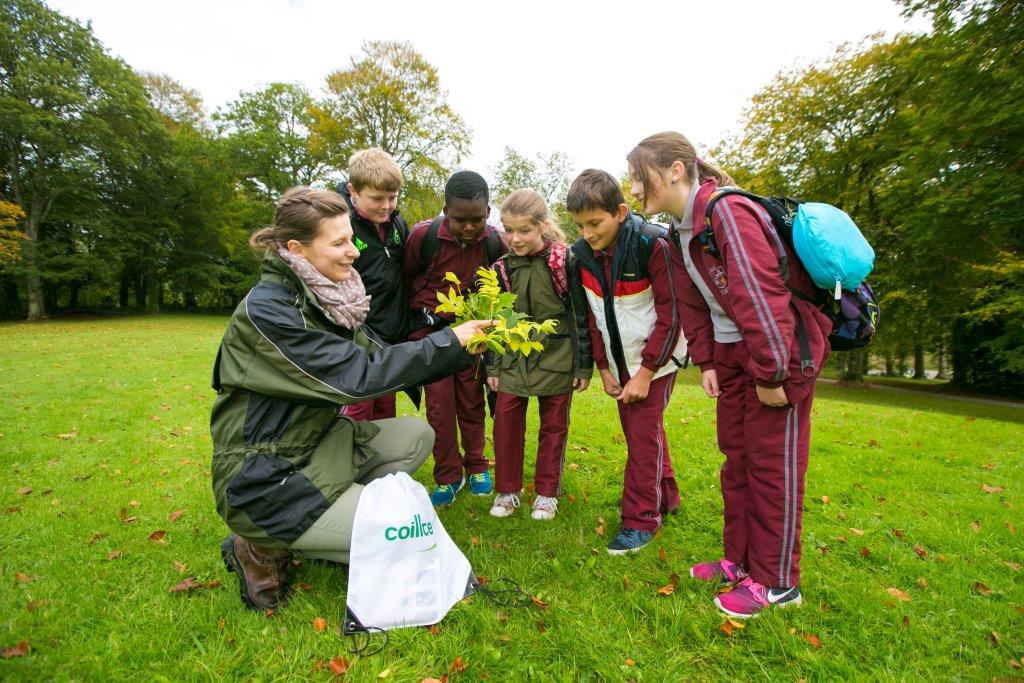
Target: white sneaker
(545, 508)
(504, 504)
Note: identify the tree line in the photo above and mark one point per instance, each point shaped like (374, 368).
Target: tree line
(119, 191)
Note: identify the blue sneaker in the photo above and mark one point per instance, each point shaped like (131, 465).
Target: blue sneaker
(480, 484)
(444, 494)
(629, 541)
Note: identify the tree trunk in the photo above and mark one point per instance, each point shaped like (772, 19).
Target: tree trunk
(919, 360)
(901, 364)
(890, 365)
(122, 294)
(11, 308)
(152, 294)
(941, 374)
(140, 291)
(854, 366)
(73, 297)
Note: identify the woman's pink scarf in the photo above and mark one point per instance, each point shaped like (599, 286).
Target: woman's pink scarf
(347, 303)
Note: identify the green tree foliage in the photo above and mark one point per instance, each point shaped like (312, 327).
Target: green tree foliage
(71, 120)
(391, 97)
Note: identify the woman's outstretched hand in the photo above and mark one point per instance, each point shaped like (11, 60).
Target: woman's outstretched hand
(466, 330)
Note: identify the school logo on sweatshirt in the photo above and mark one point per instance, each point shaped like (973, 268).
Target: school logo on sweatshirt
(360, 244)
(416, 528)
(720, 278)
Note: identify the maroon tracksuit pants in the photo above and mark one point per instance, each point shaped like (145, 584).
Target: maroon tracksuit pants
(649, 484)
(455, 406)
(510, 442)
(380, 408)
(765, 452)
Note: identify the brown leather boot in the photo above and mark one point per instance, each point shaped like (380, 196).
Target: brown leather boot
(262, 572)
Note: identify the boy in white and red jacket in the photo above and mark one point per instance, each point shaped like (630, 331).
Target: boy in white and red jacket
(743, 325)
(630, 276)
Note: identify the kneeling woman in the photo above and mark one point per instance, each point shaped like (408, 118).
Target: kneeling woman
(288, 469)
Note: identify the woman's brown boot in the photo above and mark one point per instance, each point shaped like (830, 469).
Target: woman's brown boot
(262, 572)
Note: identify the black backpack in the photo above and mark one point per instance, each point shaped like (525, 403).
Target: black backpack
(495, 248)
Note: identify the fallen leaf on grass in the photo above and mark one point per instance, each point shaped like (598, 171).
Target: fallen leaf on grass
(667, 590)
(994, 637)
(730, 626)
(33, 605)
(571, 498)
(825, 500)
(541, 628)
(982, 589)
(898, 533)
(991, 489)
(1016, 664)
(921, 552)
(95, 537)
(856, 532)
(385, 673)
(319, 624)
(339, 665)
(221, 623)
(19, 650)
(12, 509)
(662, 555)
(922, 582)
(842, 539)
(175, 516)
(906, 621)
(158, 536)
(25, 490)
(538, 602)
(814, 640)
(303, 586)
(626, 582)
(113, 554)
(179, 567)
(599, 529)
(1010, 527)
(458, 666)
(68, 435)
(988, 466)
(1013, 565)
(213, 583)
(574, 466)
(865, 551)
(125, 518)
(434, 629)
(474, 541)
(185, 586)
(898, 594)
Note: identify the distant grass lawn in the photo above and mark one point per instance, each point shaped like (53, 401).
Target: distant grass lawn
(912, 544)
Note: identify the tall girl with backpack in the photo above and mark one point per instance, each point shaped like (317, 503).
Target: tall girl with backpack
(536, 271)
(759, 342)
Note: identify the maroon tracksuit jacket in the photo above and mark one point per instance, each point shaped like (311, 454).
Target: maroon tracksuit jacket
(455, 404)
(765, 448)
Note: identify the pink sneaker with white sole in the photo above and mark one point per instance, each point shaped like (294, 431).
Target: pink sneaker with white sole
(749, 598)
(720, 570)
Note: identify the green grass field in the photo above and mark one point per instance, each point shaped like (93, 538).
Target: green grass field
(911, 566)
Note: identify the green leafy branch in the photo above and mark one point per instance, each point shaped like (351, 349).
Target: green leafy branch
(512, 330)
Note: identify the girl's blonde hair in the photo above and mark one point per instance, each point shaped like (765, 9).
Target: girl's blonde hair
(529, 204)
(297, 216)
(659, 151)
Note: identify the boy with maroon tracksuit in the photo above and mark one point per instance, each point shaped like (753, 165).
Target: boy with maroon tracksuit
(630, 275)
(459, 241)
(759, 344)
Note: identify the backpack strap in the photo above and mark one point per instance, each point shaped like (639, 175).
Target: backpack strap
(501, 268)
(556, 266)
(428, 248)
(495, 247)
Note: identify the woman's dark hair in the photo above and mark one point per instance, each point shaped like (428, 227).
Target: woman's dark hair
(297, 217)
(659, 151)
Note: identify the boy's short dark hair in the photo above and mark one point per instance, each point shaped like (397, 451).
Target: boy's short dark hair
(467, 185)
(594, 189)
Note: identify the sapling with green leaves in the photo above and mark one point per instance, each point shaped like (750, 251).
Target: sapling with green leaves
(512, 330)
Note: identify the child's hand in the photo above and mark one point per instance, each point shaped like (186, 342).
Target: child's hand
(580, 384)
(709, 380)
(492, 382)
(637, 387)
(776, 398)
(611, 386)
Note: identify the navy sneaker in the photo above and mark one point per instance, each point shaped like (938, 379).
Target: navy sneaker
(480, 484)
(629, 541)
(444, 494)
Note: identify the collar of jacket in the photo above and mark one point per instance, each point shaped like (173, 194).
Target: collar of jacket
(274, 269)
(628, 230)
(359, 219)
(700, 204)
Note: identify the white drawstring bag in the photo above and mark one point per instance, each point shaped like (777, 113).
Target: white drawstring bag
(404, 569)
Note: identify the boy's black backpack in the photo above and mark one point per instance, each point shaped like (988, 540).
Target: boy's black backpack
(854, 315)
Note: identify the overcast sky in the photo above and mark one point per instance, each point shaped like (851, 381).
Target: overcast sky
(589, 79)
